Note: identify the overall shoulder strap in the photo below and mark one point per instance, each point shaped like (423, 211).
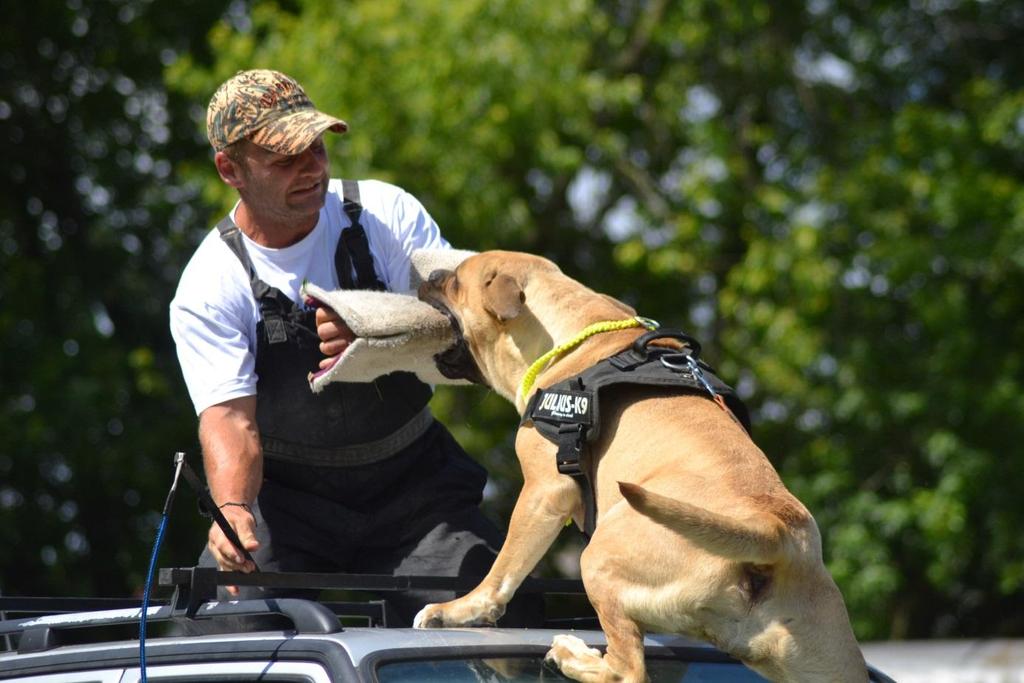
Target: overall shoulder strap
(353, 248)
(232, 236)
(271, 301)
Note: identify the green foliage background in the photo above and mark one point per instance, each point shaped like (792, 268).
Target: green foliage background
(827, 193)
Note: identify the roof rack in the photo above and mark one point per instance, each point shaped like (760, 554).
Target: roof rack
(195, 593)
(197, 585)
(42, 633)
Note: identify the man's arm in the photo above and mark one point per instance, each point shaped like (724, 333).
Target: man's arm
(234, 472)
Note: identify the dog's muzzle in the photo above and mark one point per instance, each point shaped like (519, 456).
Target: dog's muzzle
(455, 362)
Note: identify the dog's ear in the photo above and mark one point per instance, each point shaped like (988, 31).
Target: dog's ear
(503, 297)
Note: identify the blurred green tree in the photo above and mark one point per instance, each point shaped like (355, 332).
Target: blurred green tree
(827, 193)
(90, 213)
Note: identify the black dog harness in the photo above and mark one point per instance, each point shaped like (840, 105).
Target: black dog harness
(568, 413)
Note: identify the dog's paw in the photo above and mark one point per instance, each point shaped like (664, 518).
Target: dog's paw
(462, 612)
(431, 616)
(565, 648)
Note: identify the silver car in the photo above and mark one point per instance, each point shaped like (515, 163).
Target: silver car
(316, 649)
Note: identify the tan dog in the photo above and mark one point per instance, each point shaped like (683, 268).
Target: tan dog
(695, 534)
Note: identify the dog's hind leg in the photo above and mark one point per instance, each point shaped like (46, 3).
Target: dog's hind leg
(624, 659)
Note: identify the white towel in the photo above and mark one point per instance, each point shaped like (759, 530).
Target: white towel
(394, 331)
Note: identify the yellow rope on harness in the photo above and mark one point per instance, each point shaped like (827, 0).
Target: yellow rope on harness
(597, 328)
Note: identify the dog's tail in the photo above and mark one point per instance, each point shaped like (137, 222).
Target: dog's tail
(758, 538)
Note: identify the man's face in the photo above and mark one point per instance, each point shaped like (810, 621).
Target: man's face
(284, 187)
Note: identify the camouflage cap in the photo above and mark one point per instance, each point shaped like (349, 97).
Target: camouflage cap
(269, 108)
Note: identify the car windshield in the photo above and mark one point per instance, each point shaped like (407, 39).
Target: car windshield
(526, 669)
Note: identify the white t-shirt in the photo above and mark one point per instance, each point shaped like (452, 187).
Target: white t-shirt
(214, 313)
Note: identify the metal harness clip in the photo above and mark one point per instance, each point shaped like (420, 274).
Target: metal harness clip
(570, 449)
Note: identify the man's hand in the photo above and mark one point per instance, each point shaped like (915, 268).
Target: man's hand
(335, 335)
(227, 556)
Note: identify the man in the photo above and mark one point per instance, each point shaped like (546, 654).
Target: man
(358, 478)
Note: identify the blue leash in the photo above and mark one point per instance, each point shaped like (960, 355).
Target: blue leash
(179, 461)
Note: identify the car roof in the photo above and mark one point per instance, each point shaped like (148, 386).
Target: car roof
(360, 642)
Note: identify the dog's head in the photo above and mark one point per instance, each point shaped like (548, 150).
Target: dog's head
(485, 297)
(508, 309)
